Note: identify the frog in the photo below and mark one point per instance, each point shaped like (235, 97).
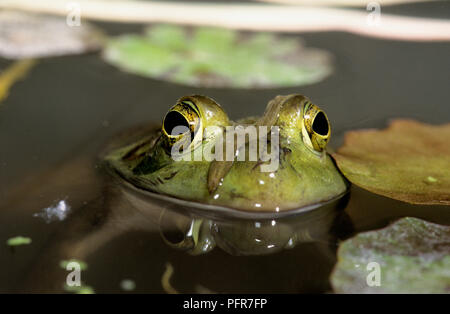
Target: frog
(133, 184)
(304, 174)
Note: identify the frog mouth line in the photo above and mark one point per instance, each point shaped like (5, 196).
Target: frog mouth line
(213, 211)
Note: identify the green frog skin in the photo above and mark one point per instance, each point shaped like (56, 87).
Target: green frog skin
(306, 174)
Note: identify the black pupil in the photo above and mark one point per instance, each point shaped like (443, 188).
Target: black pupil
(320, 124)
(174, 119)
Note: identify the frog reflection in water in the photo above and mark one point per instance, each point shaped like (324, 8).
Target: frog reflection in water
(304, 176)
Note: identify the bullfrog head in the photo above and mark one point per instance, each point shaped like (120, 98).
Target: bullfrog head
(271, 163)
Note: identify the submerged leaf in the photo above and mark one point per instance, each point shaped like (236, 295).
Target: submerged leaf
(215, 57)
(409, 161)
(165, 280)
(413, 256)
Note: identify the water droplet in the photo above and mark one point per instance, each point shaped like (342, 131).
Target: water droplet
(56, 212)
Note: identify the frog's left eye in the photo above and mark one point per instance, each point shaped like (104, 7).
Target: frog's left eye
(316, 126)
(186, 121)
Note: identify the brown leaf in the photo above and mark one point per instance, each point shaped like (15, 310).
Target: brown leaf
(408, 161)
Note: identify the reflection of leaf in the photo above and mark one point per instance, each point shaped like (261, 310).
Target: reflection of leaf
(218, 58)
(409, 161)
(413, 255)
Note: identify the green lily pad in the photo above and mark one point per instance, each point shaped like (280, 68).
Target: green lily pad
(413, 257)
(409, 161)
(214, 57)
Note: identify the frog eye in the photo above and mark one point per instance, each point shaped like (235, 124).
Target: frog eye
(186, 121)
(181, 122)
(316, 126)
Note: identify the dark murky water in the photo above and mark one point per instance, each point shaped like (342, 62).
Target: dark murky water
(54, 123)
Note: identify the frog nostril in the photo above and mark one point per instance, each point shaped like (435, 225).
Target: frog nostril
(320, 124)
(175, 123)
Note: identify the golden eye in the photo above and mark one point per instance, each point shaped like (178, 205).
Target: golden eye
(317, 126)
(186, 121)
(181, 122)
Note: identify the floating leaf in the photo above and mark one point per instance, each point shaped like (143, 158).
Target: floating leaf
(409, 161)
(26, 35)
(81, 289)
(19, 240)
(413, 257)
(214, 57)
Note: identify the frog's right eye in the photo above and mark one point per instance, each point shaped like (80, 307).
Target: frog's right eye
(182, 122)
(316, 125)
